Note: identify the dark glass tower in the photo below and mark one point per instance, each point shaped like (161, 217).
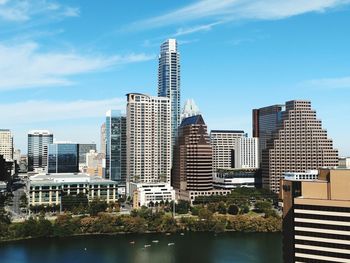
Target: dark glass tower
(116, 147)
(169, 81)
(63, 158)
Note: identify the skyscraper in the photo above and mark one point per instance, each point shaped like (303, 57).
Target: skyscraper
(38, 142)
(169, 81)
(246, 153)
(63, 157)
(6, 144)
(116, 146)
(148, 138)
(298, 144)
(224, 145)
(265, 122)
(85, 148)
(190, 109)
(192, 165)
(103, 139)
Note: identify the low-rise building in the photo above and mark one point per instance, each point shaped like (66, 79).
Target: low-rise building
(146, 194)
(47, 189)
(308, 175)
(232, 178)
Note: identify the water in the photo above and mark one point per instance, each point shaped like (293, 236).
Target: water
(192, 248)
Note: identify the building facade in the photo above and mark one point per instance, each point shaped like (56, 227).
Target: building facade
(116, 147)
(103, 138)
(38, 142)
(265, 123)
(83, 149)
(148, 138)
(63, 157)
(6, 144)
(230, 179)
(299, 144)
(246, 153)
(224, 145)
(47, 189)
(192, 163)
(316, 218)
(169, 81)
(190, 109)
(344, 162)
(151, 194)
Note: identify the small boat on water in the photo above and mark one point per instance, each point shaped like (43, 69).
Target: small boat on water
(155, 241)
(146, 246)
(171, 244)
(167, 234)
(132, 243)
(182, 234)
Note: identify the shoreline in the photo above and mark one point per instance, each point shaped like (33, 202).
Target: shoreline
(132, 233)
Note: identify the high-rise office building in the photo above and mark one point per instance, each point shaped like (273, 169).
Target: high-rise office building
(265, 122)
(246, 153)
(38, 142)
(169, 81)
(192, 165)
(116, 146)
(103, 139)
(6, 144)
(148, 138)
(316, 218)
(85, 148)
(299, 144)
(224, 145)
(190, 109)
(63, 157)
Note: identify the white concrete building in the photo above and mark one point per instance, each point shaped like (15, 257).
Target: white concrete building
(47, 189)
(309, 175)
(344, 162)
(232, 178)
(6, 144)
(224, 144)
(148, 139)
(145, 193)
(246, 153)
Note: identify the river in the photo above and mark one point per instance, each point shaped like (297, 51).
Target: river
(190, 247)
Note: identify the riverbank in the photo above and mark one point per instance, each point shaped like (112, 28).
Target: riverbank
(141, 222)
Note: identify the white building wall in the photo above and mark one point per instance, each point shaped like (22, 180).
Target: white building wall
(246, 153)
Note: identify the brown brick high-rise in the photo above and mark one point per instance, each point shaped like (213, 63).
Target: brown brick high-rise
(192, 162)
(298, 144)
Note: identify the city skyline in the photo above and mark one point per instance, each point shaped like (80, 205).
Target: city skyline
(99, 69)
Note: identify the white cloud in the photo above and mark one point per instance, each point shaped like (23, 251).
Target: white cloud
(24, 10)
(231, 10)
(195, 29)
(328, 83)
(26, 66)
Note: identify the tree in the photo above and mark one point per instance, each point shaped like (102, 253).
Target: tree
(233, 209)
(96, 206)
(182, 207)
(205, 214)
(222, 208)
(263, 206)
(23, 201)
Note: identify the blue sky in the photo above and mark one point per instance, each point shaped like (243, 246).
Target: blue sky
(63, 64)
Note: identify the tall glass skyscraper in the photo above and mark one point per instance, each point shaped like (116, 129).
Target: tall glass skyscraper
(169, 81)
(38, 142)
(63, 158)
(116, 147)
